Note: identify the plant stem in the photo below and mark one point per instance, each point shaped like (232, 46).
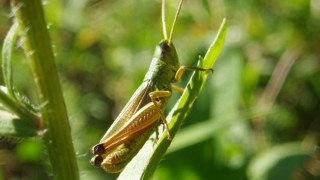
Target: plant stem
(38, 49)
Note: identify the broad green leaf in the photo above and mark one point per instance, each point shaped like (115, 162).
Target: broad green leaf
(146, 161)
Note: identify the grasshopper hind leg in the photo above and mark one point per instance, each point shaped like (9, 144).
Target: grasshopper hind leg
(96, 160)
(98, 149)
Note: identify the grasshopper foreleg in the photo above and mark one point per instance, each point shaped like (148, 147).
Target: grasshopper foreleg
(183, 68)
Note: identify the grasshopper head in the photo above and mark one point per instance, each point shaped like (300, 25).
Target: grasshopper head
(167, 53)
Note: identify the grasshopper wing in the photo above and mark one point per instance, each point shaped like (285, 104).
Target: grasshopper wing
(138, 100)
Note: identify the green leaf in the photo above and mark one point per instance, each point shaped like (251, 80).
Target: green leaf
(11, 100)
(8, 46)
(6, 66)
(11, 126)
(19, 109)
(146, 161)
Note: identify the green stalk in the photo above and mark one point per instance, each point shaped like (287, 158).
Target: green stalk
(38, 49)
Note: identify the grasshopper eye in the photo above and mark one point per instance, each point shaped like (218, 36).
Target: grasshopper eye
(96, 160)
(98, 149)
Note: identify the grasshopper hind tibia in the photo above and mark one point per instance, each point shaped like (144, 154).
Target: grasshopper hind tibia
(98, 149)
(96, 160)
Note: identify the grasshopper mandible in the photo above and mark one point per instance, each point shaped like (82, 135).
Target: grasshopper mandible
(143, 112)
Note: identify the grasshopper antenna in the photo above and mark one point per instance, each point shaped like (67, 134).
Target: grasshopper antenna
(165, 35)
(175, 20)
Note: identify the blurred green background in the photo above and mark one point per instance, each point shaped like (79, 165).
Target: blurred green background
(257, 118)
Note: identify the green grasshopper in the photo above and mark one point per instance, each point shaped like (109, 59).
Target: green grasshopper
(143, 112)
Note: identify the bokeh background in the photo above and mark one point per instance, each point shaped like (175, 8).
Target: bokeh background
(257, 118)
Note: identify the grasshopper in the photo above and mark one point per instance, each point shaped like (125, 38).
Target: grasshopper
(143, 112)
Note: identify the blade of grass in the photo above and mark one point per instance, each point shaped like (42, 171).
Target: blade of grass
(146, 161)
(38, 49)
(205, 130)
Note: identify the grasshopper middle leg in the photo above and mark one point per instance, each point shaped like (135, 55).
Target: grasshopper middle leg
(158, 95)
